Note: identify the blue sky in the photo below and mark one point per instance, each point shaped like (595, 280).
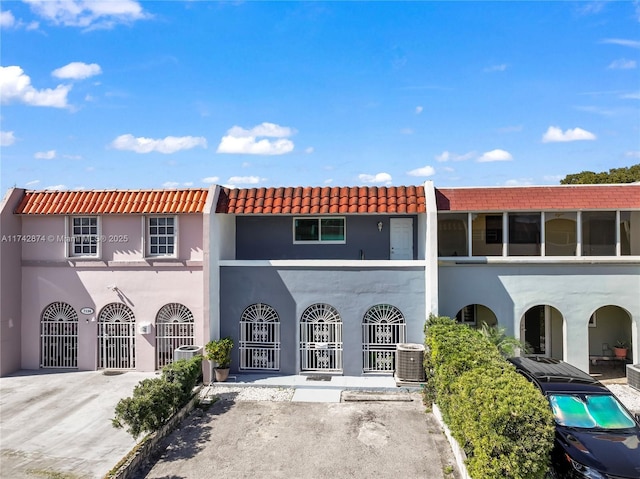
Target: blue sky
(125, 94)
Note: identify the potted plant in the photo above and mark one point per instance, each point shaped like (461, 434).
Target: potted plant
(218, 351)
(620, 349)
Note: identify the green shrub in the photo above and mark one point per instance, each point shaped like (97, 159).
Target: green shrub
(186, 373)
(153, 402)
(156, 400)
(500, 419)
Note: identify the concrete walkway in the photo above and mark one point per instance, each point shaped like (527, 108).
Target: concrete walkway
(58, 424)
(314, 440)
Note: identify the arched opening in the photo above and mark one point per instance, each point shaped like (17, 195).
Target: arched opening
(174, 328)
(59, 336)
(116, 337)
(541, 330)
(321, 338)
(260, 338)
(610, 342)
(475, 315)
(383, 327)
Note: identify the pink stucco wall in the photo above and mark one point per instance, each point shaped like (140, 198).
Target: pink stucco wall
(10, 292)
(145, 291)
(46, 274)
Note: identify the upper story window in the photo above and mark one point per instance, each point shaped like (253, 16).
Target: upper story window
(546, 233)
(319, 230)
(162, 235)
(524, 234)
(598, 233)
(84, 236)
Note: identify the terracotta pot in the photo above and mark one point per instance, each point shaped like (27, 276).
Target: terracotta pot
(620, 352)
(222, 374)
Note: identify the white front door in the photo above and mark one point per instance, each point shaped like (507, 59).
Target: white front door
(401, 238)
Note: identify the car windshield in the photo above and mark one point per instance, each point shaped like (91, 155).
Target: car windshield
(601, 411)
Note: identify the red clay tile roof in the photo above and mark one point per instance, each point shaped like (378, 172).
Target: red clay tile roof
(112, 202)
(322, 200)
(538, 198)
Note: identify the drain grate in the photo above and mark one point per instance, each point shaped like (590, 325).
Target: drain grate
(319, 377)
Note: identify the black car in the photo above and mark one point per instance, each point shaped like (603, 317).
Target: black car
(596, 436)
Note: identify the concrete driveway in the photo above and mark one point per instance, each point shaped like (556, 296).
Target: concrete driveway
(58, 424)
(249, 439)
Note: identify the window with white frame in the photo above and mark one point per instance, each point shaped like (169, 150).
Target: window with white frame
(162, 234)
(319, 230)
(84, 236)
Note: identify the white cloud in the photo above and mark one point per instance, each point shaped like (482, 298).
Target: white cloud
(309, 150)
(552, 178)
(631, 96)
(88, 14)
(56, 187)
(622, 42)
(32, 183)
(241, 141)
(177, 184)
(448, 156)
(407, 131)
(7, 19)
(210, 179)
(244, 180)
(419, 109)
(77, 71)
(519, 182)
(622, 64)
(7, 138)
(555, 134)
(496, 68)
(45, 155)
(424, 171)
(167, 145)
(377, 178)
(633, 154)
(15, 86)
(495, 155)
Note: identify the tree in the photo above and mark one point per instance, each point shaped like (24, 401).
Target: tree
(629, 174)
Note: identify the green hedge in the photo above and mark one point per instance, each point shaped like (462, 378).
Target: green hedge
(155, 400)
(499, 418)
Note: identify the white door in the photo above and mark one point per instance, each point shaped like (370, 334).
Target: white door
(401, 239)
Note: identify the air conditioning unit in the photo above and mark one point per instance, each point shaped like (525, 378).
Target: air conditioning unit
(633, 375)
(409, 359)
(186, 352)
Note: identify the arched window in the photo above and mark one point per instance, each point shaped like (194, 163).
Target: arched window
(259, 338)
(174, 328)
(59, 336)
(116, 337)
(321, 338)
(383, 327)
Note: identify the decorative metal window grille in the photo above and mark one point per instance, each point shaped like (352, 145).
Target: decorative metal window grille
(260, 338)
(174, 328)
(84, 231)
(383, 327)
(116, 337)
(162, 236)
(59, 336)
(321, 338)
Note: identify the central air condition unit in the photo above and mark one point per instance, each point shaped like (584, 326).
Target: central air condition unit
(409, 358)
(186, 352)
(633, 375)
